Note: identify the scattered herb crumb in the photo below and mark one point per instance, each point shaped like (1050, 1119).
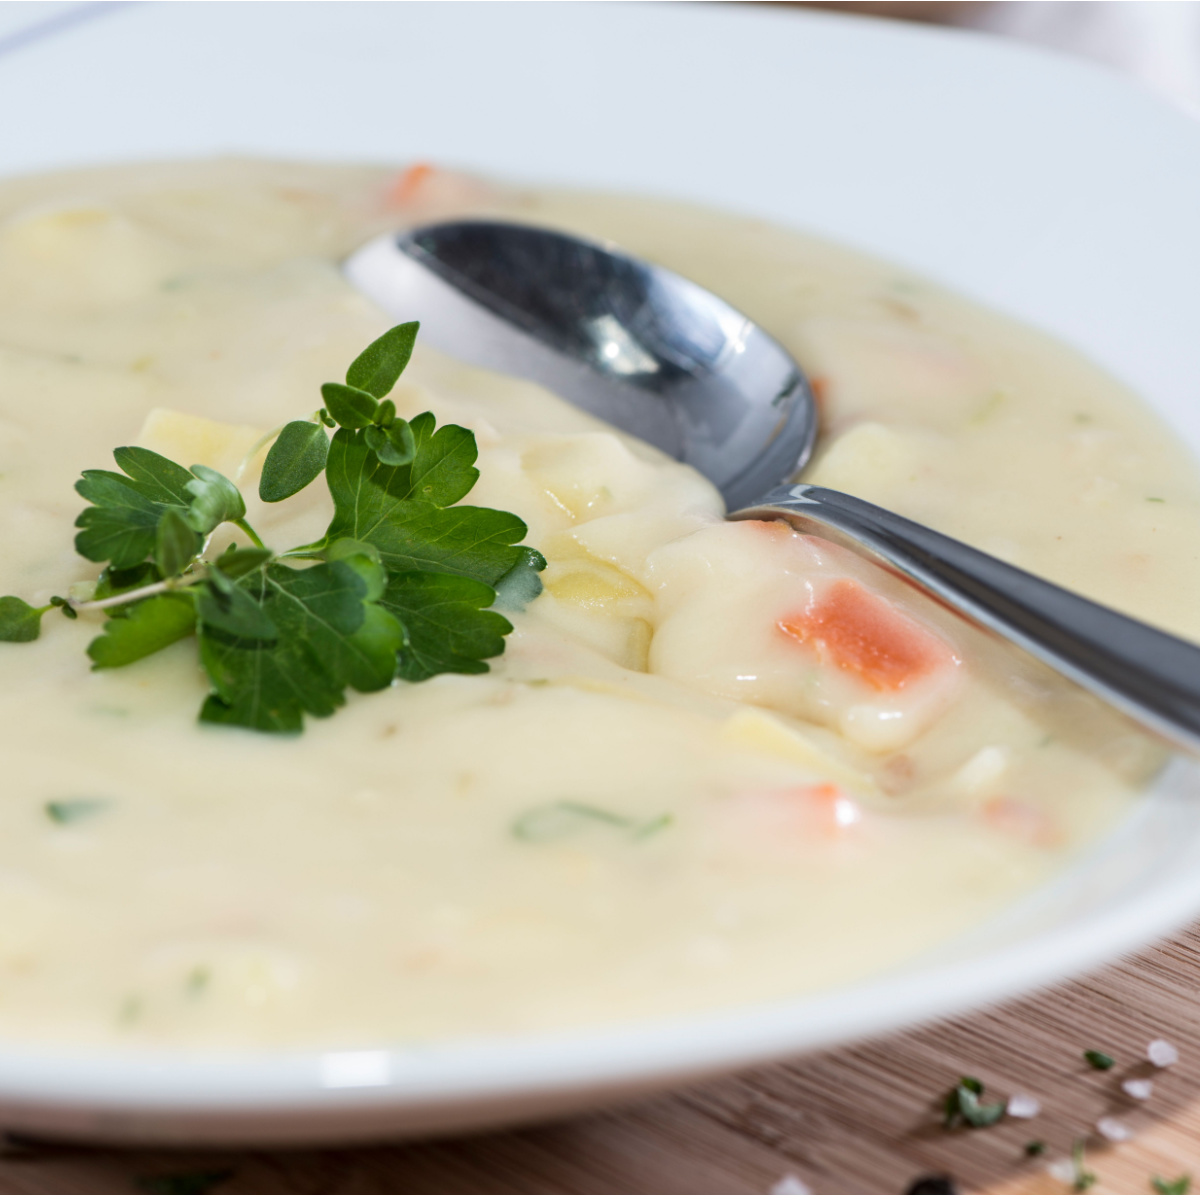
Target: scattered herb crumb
(1172, 1187)
(1035, 1148)
(1155, 500)
(932, 1185)
(963, 1106)
(130, 1010)
(1084, 1178)
(183, 1183)
(1099, 1060)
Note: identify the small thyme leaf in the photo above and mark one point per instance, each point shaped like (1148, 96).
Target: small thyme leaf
(1099, 1060)
(378, 367)
(19, 622)
(65, 606)
(295, 459)
(350, 407)
(1033, 1149)
(67, 812)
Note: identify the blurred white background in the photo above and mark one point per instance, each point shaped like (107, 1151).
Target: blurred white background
(1156, 42)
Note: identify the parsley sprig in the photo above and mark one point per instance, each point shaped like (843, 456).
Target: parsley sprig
(400, 586)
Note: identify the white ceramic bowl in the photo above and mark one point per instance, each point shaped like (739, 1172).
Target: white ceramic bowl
(1040, 185)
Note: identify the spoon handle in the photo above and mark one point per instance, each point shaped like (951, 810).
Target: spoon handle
(1147, 674)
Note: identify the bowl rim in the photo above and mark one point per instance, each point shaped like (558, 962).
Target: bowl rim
(1082, 99)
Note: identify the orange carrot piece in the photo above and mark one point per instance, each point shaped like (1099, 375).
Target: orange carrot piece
(865, 636)
(1021, 821)
(409, 183)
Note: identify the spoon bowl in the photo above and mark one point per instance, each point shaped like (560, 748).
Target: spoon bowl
(634, 344)
(661, 358)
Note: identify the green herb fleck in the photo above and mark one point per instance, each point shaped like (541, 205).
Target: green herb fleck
(184, 1183)
(1099, 1060)
(564, 818)
(1155, 500)
(1181, 1186)
(68, 812)
(963, 1106)
(1033, 1149)
(197, 980)
(1084, 1178)
(653, 826)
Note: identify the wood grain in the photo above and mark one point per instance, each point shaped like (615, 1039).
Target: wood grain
(859, 1119)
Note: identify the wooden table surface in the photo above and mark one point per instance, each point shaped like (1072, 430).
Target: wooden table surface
(860, 1119)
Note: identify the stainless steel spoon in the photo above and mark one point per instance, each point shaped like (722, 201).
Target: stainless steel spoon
(667, 361)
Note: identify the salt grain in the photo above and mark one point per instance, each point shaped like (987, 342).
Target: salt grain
(1114, 1130)
(790, 1185)
(1162, 1053)
(1062, 1169)
(1139, 1089)
(1023, 1106)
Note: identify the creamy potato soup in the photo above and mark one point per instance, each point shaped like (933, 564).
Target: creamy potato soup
(718, 762)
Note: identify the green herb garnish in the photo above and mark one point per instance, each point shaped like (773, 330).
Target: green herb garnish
(67, 812)
(1172, 1187)
(400, 586)
(963, 1106)
(550, 822)
(1099, 1060)
(1033, 1149)
(1084, 1178)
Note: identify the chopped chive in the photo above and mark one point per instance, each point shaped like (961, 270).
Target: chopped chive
(657, 825)
(1099, 1060)
(67, 812)
(550, 822)
(1156, 500)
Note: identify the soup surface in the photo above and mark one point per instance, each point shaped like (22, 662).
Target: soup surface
(717, 763)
